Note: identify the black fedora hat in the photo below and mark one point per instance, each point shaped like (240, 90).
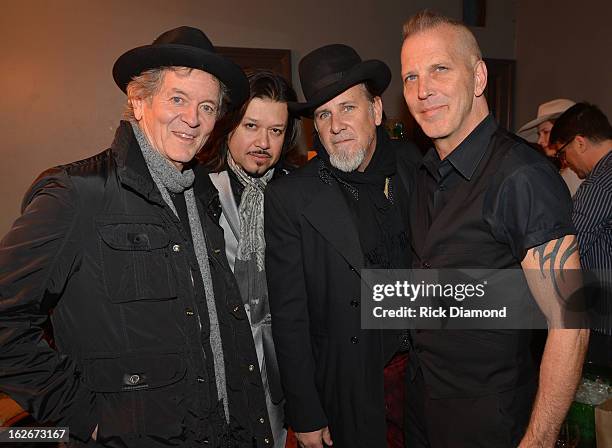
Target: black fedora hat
(183, 47)
(330, 70)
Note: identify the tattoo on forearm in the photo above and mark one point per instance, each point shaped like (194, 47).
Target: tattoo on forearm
(545, 253)
(572, 248)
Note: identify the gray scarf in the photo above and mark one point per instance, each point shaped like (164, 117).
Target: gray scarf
(168, 178)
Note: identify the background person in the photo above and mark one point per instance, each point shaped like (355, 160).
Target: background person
(538, 130)
(583, 137)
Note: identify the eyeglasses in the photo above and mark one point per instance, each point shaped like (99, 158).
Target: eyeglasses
(561, 151)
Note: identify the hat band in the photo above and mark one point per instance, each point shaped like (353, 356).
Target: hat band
(328, 80)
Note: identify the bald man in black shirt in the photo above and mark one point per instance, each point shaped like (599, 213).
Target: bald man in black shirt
(484, 199)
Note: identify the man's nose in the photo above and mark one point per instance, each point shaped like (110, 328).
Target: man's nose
(424, 88)
(263, 139)
(336, 124)
(543, 140)
(190, 116)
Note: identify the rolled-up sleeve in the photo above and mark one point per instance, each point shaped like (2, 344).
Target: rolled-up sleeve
(531, 207)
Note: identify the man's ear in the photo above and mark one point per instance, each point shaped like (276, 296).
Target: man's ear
(480, 78)
(137, 107)
(581, 143)
(378, 110)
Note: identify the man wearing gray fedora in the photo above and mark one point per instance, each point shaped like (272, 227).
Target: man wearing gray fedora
(342, 212)
(153, 346)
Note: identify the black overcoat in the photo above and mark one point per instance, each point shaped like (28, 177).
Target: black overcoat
(331, 369)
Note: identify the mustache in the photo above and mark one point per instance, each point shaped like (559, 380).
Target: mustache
(260, 152)
(342, 138)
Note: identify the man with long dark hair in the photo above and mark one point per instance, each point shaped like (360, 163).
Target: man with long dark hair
(249, 149)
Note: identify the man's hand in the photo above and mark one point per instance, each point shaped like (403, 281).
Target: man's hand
(314, 439)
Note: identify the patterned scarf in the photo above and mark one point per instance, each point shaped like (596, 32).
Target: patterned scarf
(251, 241)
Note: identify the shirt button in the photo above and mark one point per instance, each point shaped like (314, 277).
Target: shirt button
(189, 311)
(200, 379)
(267, 441)
(251, 367)
(354, 303)
(262, 420)
(426, 265)
(236, 308)
(354, 340)
(134, 379)
(176, 248)
(216, 251)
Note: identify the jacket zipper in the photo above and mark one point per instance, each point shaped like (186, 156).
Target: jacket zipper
(197, 313)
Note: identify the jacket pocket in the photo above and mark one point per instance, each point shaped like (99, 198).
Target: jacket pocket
(135, 258)
(133, 372)
(138, 394)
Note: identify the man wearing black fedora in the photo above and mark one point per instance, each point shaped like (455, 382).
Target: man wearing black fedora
(153, 346)
(342, 212)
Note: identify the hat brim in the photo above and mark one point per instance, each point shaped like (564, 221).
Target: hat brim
(376, 73)
(533, 123)
(133, 62)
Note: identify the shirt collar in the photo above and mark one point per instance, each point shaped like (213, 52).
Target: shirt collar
(601, 162)
(465, 157)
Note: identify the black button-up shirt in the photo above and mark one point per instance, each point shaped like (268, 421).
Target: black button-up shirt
(462, 162)
(528, 208)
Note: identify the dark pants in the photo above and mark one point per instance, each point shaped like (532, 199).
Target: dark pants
(395, 391)
(491, 421)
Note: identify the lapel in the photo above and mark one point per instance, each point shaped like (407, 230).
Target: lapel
(210, 212)
(221, 181)
(330, 215)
